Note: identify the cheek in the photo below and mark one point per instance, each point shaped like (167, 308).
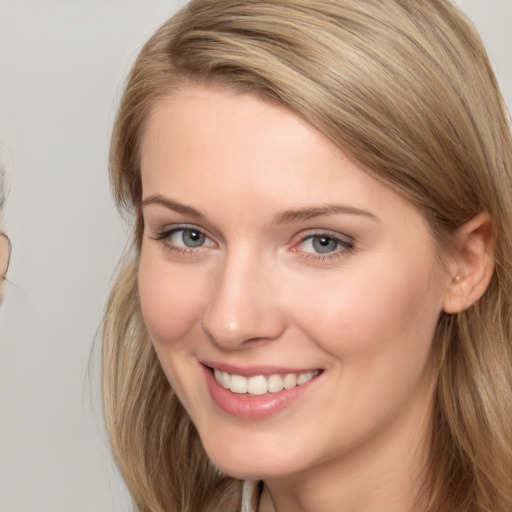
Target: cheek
(171, 310)
(170, 300)
(378, 332)
(390, 312)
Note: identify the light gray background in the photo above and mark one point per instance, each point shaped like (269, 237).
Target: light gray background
(62, 64)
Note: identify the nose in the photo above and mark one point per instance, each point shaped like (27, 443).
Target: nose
(243, 306)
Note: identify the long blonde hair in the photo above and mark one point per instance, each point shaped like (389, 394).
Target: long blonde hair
(405, 88)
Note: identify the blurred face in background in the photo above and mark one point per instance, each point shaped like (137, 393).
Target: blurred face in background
(5, 255)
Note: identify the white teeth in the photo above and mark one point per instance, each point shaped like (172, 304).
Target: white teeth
(290, 381)
(275, 383)
(238, 384)
(225, 379)
(304, 377)
(259, 384)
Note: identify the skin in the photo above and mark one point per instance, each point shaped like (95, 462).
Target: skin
(257, 293)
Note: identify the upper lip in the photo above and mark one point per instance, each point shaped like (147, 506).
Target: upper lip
(250, 371)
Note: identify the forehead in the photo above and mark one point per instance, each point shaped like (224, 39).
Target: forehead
(206, 131)
(223, 148)
(222, 114)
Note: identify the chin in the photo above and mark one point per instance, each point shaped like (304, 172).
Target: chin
(249, 470)
(251, 461)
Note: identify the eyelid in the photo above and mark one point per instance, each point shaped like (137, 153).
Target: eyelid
(164, 235)
(170, 228)
(157, 221)
(304, 235)
(347, 244)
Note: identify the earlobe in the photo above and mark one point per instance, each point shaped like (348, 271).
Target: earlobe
(472, 264)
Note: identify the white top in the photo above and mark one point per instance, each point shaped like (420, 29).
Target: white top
(250, 496)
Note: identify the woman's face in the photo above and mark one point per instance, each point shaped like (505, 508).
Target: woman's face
(273, 263)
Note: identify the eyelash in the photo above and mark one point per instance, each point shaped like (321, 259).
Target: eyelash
(344, 245)
(165, 237)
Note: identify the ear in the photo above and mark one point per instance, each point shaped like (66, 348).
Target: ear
(472, 264)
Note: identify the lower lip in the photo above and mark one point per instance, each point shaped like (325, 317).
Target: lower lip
(253, 407)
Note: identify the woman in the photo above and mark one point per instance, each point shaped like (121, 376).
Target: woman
(317, 302)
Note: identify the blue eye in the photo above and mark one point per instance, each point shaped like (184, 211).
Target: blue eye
(188, 237)
(184, 240)
(325, 244)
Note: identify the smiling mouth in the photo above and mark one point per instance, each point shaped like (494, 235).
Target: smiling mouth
(261, 384)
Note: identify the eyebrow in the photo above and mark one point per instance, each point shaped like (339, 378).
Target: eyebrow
(301, 214)
(281, 217)
(172, 205)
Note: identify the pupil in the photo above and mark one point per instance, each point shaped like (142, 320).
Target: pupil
(192, 238)
(324, 244)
